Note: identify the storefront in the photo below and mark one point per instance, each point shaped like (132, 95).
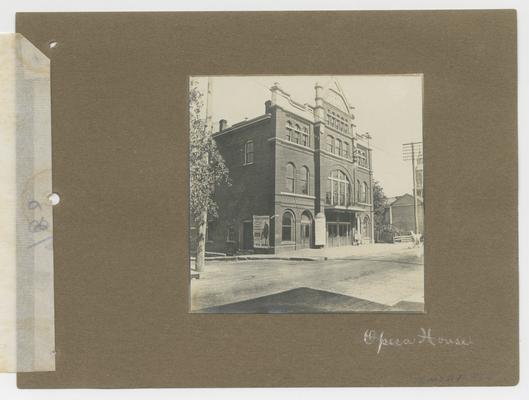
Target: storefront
(340, 227)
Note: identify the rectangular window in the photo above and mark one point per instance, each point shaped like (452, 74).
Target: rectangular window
(306, 140)
(304, 187)
(248, 152)
(286, 235)
(289, 184)
(330, 144)
(232, 234)
(328, 197)
(342, 193)
(362, 158)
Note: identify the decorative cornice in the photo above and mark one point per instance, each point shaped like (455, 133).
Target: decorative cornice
(303, 196)
(288, 143)
(335, 156)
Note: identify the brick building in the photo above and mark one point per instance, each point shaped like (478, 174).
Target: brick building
(300, 177)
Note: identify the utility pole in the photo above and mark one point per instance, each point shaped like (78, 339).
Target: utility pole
(410, 151)
(203, 223)
(368, 137)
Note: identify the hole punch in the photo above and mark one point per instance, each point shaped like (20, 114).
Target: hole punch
(53, 44)
(54, 199)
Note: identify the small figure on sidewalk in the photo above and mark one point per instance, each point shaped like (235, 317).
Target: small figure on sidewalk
(416, 239)
(357, 238)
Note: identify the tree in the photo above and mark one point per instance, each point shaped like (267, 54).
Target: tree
(379, 204)
(207, 170)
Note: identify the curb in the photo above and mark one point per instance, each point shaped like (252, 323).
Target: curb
(247, 258)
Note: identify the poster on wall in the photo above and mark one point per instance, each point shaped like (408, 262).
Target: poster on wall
(320, 234)
(261, 231)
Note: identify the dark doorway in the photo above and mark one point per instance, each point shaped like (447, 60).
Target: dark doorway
(247, 235)
(306, 230)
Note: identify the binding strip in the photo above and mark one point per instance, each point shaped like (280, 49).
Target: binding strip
(27, 328)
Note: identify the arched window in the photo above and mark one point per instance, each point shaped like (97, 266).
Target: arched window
(339, 147)
(304, 180)
(306, 137)
(289, 131)
(358, 198)
(287, 229)
(338, 189)
(290, 178)
(363, 192)
(366, 197)
(346, 153)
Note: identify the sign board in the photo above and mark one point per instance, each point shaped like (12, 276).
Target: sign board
(261, 231)
(320, 231)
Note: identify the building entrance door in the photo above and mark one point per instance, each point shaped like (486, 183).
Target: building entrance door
(306, 230)
(247, 235)
(339, 234)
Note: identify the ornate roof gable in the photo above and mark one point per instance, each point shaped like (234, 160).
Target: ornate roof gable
(334, 95)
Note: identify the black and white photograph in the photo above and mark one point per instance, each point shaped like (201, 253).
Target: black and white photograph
(306, 194)
(221, 199)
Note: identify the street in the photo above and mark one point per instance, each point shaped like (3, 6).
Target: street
(370, 280)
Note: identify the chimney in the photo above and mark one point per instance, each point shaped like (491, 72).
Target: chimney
(318, 109)
(223, 124)
(268, 107)
(274, 89)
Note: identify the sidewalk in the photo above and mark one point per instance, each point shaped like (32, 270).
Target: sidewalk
(327, 253)
(365, 250)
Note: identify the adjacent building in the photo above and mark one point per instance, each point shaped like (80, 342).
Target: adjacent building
(399, 214)
(300, 177)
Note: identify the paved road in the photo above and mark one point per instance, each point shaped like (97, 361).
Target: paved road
(389, 282)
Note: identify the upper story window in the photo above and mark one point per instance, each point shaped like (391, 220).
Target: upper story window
(361, 156)
(365, 191)
(339, 147)
(346, 152)
(305, 141)
(290, 178)
(289, 131)
(330, 144)
(338, 189)
(248, 152)
(337, 121)
(304, 180)
(358, 194)
(297, 134)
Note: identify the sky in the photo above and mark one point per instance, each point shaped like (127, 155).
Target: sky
(389, 107)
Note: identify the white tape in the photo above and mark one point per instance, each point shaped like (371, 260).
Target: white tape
(27, 329)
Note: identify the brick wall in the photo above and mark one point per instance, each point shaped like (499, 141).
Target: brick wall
(252, 185)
